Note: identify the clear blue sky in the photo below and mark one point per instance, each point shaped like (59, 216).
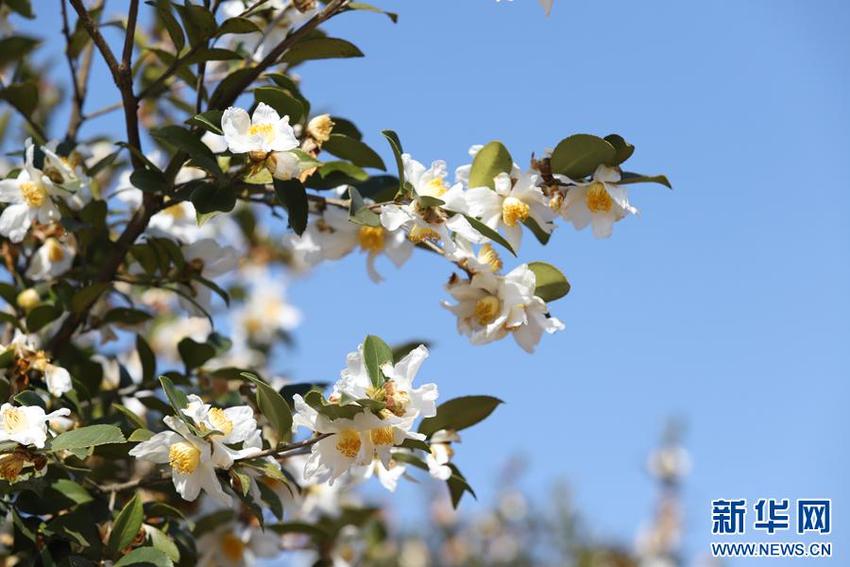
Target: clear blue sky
(725, 303)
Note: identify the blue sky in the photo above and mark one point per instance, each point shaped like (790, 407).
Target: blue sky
(725, 303)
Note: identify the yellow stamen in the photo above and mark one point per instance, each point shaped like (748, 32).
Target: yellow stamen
(264, 130)
(348, 443)
(487, 309)
(14, 420)
(177, 212)
(419, 233)
(396, 400)
(382, 435)
(34, 193)
(232, 547)
(184, 457)
(371, 238)
(40, 361)
(598, 200)
(514, 211)
(488, 255)
(55, 252)
(437, 187)
(220, 421)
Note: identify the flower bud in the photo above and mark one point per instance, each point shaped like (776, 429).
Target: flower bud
(304, 5)
(11, 465)
(283, 165)
(320, 128)
(28, 300)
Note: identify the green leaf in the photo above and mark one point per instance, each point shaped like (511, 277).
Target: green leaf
(284, 103)
(22, 7)
(193, 353)
(629, 177)
(15, 48)
(237, 25)
(22, 96)
(209, 120)
(375, 354)
(198, 21)
(273, 407)
(490, 161)
(541, 235)
(175, 32)
(147, 358)
(354, 151)
(184, 140)
(133, 417)
(370, 8)
(148, 556)
(126, 526)
(177, 398)
(315, 400)
(320, 48)
(85, 297)
(551, 284)
(579, 155)
(489, 232)
(161, 541)
(332, 174)
(359, 212)
(459, 413)
(71, 490)
(458, 486)
(209, 199)
(395, 145)
(227, 86)
(292, 195)
(126, 316)
(140, 435)
(621, 146)
(41, 316)
(89, 436)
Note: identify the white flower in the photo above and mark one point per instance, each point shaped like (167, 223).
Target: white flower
(485, 260)
(29, 198)
(388, 475)
(336, 236)
(511, 202)
(207, 259)
(236, 424)
(423, 221)
(26, 425)
(264, 132)
(26, 348)
(266, 313)
(441, 453)
(233, 545)
(53, 258)
(399, 395)
(354, 442)
(283, 165)
(191, 458)
(490, 306)
(601, 203)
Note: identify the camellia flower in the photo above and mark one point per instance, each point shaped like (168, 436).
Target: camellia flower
(236, 424)
(52, 259)
(266, 313)
(30, 198)
(192, 460)
(355, 442)
(399, 395)
(26, 350)
(235, 545)
(490, 306)
(388, 475)
(336, 236)
(509, 204)
(600, 203)
(26, 425)
(207, 259)
(265, 131)
(441, 453)
(423, 220)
